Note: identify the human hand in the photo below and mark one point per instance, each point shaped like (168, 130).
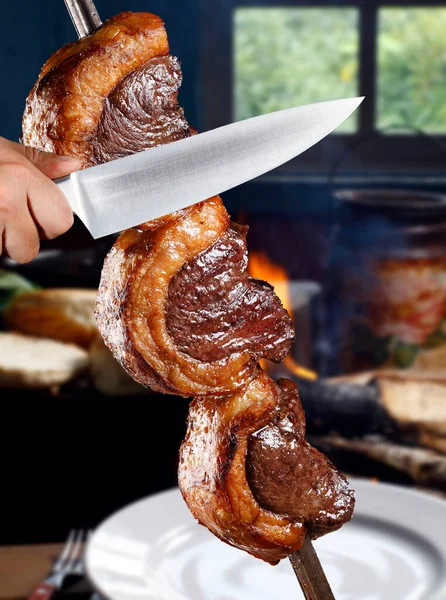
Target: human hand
(31, 205)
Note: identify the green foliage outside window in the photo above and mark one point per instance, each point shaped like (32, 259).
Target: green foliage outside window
(286, 57)
(412, 68)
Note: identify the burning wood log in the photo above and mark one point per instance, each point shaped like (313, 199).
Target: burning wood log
(403, 408)
(424, 466)
(415, 403)
(434, 441)
(350, 410)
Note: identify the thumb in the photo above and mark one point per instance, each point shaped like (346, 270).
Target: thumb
(51, 165)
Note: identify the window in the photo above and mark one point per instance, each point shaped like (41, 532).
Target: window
(412, 69)
(263, 55)
(286, 57)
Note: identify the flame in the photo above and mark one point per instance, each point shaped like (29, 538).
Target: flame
(261, 266)
(298, 369)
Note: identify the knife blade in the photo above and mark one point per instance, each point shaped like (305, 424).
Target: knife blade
(135, 189)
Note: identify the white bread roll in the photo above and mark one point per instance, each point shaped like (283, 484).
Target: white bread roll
(59, 314)
(30, 362)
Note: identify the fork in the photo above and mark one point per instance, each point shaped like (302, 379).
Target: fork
(69, 562)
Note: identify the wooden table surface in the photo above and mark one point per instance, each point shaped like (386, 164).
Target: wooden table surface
(24, 567)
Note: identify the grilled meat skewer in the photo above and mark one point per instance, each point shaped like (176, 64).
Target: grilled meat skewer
(177, 308)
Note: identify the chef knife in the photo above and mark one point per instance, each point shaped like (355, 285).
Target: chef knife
(132, 190)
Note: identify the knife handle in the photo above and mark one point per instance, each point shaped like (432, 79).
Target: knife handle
(44, 591)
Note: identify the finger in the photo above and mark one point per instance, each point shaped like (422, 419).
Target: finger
(20, 237)
(50, 164)
(48, 206)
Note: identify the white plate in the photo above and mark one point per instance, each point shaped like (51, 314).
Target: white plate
(394, 549)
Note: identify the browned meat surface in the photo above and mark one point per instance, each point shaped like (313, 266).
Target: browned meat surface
(214, 309)
(290, 477)
(233, 479)
(177, 308)
(130, 83)
(142, 111)
(76, 89)
(140, 295)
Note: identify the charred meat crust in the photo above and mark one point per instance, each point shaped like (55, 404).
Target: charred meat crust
(221, 467)
(177, 307)
(139, 295)
(141, 112)
(64, 108)
(78, 107)
(289, 477)
(215, 309)
(212, 472)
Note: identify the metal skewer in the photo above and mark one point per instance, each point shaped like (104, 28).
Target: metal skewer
(310, 573)
(84, 15)
(305, 561)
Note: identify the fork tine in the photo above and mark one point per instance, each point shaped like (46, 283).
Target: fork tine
(76, 553)
(65, 552)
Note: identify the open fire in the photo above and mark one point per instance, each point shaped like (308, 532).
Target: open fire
(261, 266)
